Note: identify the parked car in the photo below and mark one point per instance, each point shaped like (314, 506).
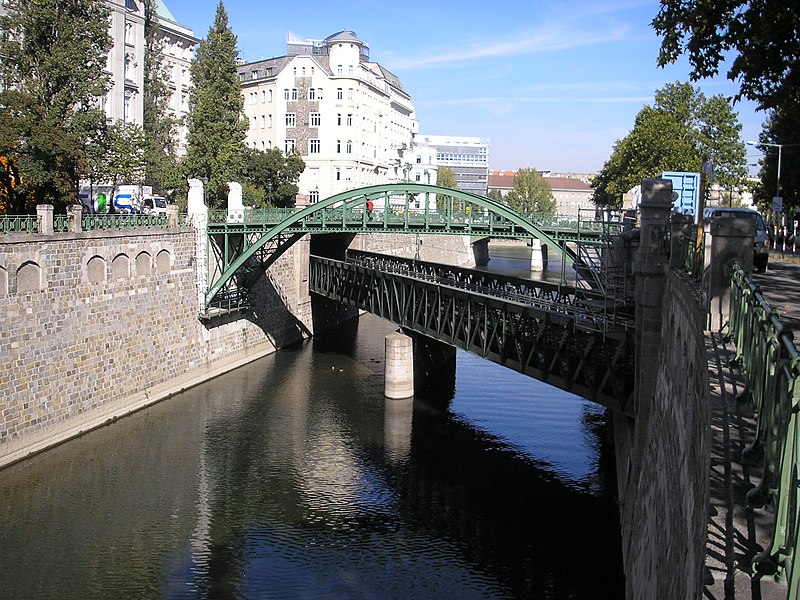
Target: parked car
(761, 240)
(154, 205)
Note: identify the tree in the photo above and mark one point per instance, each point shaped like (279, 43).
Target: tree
(124, 156)
(445, 177)
(531, 193)
(763, 36)
(496, 195)
(158, 124)
(217, 127)
(679, 133)
(275, 174)
(781, 125)
(52, 60)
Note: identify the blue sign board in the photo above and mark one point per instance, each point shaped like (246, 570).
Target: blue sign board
(685, 192)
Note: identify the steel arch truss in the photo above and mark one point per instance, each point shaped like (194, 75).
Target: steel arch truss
(463, 213)
(544, 343)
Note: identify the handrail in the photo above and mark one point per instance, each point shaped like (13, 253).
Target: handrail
(769, 359)
(19, 224)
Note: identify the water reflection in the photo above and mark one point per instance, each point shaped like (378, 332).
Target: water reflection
(293, 477)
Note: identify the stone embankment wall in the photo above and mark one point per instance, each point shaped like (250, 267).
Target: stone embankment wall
(94, 325)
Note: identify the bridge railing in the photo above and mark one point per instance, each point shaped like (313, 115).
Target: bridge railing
(769, 359)
(19, 224)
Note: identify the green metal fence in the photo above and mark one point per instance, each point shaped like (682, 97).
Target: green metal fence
(19, 224)
(768, 357)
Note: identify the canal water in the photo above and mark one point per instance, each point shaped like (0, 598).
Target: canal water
(293, 477)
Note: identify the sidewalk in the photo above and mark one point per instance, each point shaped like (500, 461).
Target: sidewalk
(735, 533)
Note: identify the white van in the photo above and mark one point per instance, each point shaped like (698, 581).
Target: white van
(761, 240)
(154, 205)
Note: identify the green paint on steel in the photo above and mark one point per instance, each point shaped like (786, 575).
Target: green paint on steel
(295, 221)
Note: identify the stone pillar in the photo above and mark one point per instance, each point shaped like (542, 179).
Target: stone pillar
(683, 231)
(731, 241)
(649, 271)
(399, 373)
(235, 206)
(480, 252)
(536, 255)
(45, 214)
(198, 212)
(74, 212)
(172, 215)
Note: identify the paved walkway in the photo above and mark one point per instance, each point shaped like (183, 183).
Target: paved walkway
(735, 533)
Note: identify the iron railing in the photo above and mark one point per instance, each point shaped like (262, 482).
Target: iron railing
(768, 357)
(94, 222)
(19, 224)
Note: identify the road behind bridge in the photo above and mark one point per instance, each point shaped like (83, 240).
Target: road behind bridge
(781, 287)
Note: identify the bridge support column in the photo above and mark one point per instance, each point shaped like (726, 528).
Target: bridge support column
(537, 262)
(480, 252)
(399, 372)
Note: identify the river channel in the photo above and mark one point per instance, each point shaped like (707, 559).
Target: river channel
(293, 477)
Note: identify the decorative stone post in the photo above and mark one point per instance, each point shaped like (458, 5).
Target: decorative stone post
(198, 211)
(74, 212)
(399, 373)
(235, 206)
(731, 241)
(172, 216)
(45, 214)
(650, 270)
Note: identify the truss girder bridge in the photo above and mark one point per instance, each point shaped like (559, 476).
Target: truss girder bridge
(243, 244)
(549, 332)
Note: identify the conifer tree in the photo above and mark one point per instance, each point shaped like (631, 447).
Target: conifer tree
(52, 60)
(217, 127)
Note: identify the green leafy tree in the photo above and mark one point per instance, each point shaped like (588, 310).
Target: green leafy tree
(531, 193)
(275, 175)
(781, 125)
(496, 195)
(52, 61)
(762, 36)
(679, 133)
(158, 124)
(216, 124)
(445, 177)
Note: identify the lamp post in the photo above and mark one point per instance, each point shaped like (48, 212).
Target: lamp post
(780, 148)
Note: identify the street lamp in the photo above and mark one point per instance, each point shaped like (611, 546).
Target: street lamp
(780, 148)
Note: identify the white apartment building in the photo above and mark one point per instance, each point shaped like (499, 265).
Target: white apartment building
(125, 64)
(350, 119)
(468, 157)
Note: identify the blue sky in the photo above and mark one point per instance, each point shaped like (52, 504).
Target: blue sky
(551, 85)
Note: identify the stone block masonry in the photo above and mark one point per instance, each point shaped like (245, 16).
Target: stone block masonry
(94, 325)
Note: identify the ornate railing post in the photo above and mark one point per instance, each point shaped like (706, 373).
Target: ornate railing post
(731, 242)
(75, 212)
(649, 270)
(45, 214)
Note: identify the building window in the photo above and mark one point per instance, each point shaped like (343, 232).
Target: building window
(349, 69)
(312, 94)
(339, 118)
(349, 120)
(315, 119)
(129, 33)
(313, 196)
(254, 74)
(269, 96)
(269, 120)
(319, 92)
(338, 174)
(419, 160)
(339, 93)
(294, 71)
(349, 93)
(419, 177)
(294, 93)
(286, 93)
(304, 71)
(127, 109)
(263, 121)
(338, 146)
(263, 96)
(288, 146)
(338, 69)
(255, 123)
(312, 71)
(349, 146)
(291, 119)
(314, 147)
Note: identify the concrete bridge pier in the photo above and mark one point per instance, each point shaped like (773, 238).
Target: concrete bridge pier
(399, 371)
(538, 255)
(480, 252)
